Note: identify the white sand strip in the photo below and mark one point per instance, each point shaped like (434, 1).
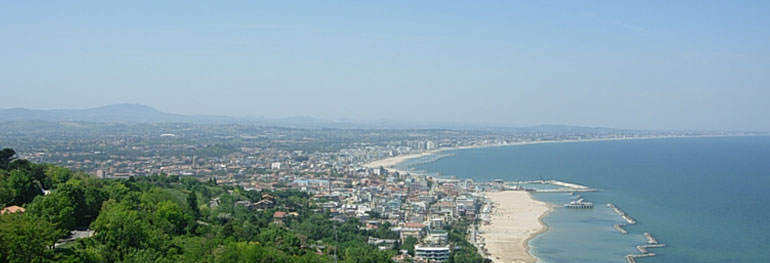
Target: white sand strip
(516, 219)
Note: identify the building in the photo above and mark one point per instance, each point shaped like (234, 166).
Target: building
(436, 237)
(12, 209)
(263, 204)
(380, 171)
(430, 145)
(279, 217)
(431, 253)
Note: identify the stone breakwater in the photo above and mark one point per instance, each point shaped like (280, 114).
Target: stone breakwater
(643, 249)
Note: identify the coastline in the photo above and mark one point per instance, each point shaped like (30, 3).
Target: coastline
(542, 230)
(517, 219)
(390, 162)
(518, 242)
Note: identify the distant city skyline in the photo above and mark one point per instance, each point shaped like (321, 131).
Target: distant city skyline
(685, 65)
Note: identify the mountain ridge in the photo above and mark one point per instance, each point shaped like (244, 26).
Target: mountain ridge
(127, 113)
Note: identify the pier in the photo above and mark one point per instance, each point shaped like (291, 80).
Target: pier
(564, 190)
(579, 203)
(557, 183)
(563, 187)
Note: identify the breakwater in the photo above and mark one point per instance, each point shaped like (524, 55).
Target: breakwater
(643, 249)
(630, 220)
(651, 241)
(562, 187)
(622, 213)
(573, 189)
(620, 228)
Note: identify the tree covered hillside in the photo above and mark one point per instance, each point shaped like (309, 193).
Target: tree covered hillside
(164, 219)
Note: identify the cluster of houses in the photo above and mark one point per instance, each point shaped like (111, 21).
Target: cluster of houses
(414, 206)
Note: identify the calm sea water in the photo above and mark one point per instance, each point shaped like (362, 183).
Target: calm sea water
(708, 199)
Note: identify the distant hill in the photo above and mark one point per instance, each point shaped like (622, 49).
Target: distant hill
(140, 113)
(118, 113)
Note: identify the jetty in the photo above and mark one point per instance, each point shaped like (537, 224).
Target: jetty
(629, 220)
(622, 214)
(562, 187)
(578, 203)
(620, 228)
(650, 238)
(651, 243)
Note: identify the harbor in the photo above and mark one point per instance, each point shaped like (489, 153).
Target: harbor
(577, 203)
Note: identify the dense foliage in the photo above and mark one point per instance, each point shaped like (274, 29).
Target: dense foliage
(164, 219)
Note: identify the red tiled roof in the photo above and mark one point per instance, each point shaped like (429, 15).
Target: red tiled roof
(12, 209)
(414, 225)
(279, 214)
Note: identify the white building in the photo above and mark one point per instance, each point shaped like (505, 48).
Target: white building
(437, 254)
(430, 145)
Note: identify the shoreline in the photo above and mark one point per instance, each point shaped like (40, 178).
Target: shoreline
(390, 162)
(519, 241)
(542, 230)
(516, 220)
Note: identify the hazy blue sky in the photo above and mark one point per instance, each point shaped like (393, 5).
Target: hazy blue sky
(644, 64)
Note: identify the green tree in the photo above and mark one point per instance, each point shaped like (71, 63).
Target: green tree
(57, 208)
(21, 187)
(86, 196)
(408, 244)
(192, 202)
(7, 156)
(171, 218)
(117, 191)
(26, 238)
(58, 175)
(6, 192)
(364, 253)
(120, 229)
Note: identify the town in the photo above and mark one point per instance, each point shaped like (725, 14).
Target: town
(330, 165)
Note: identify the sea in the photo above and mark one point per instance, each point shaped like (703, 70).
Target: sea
(706, 198)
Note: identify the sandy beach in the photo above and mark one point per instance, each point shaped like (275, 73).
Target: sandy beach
(388, 163)
(516, 219)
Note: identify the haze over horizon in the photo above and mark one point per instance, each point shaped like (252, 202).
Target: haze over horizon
(648, 65)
